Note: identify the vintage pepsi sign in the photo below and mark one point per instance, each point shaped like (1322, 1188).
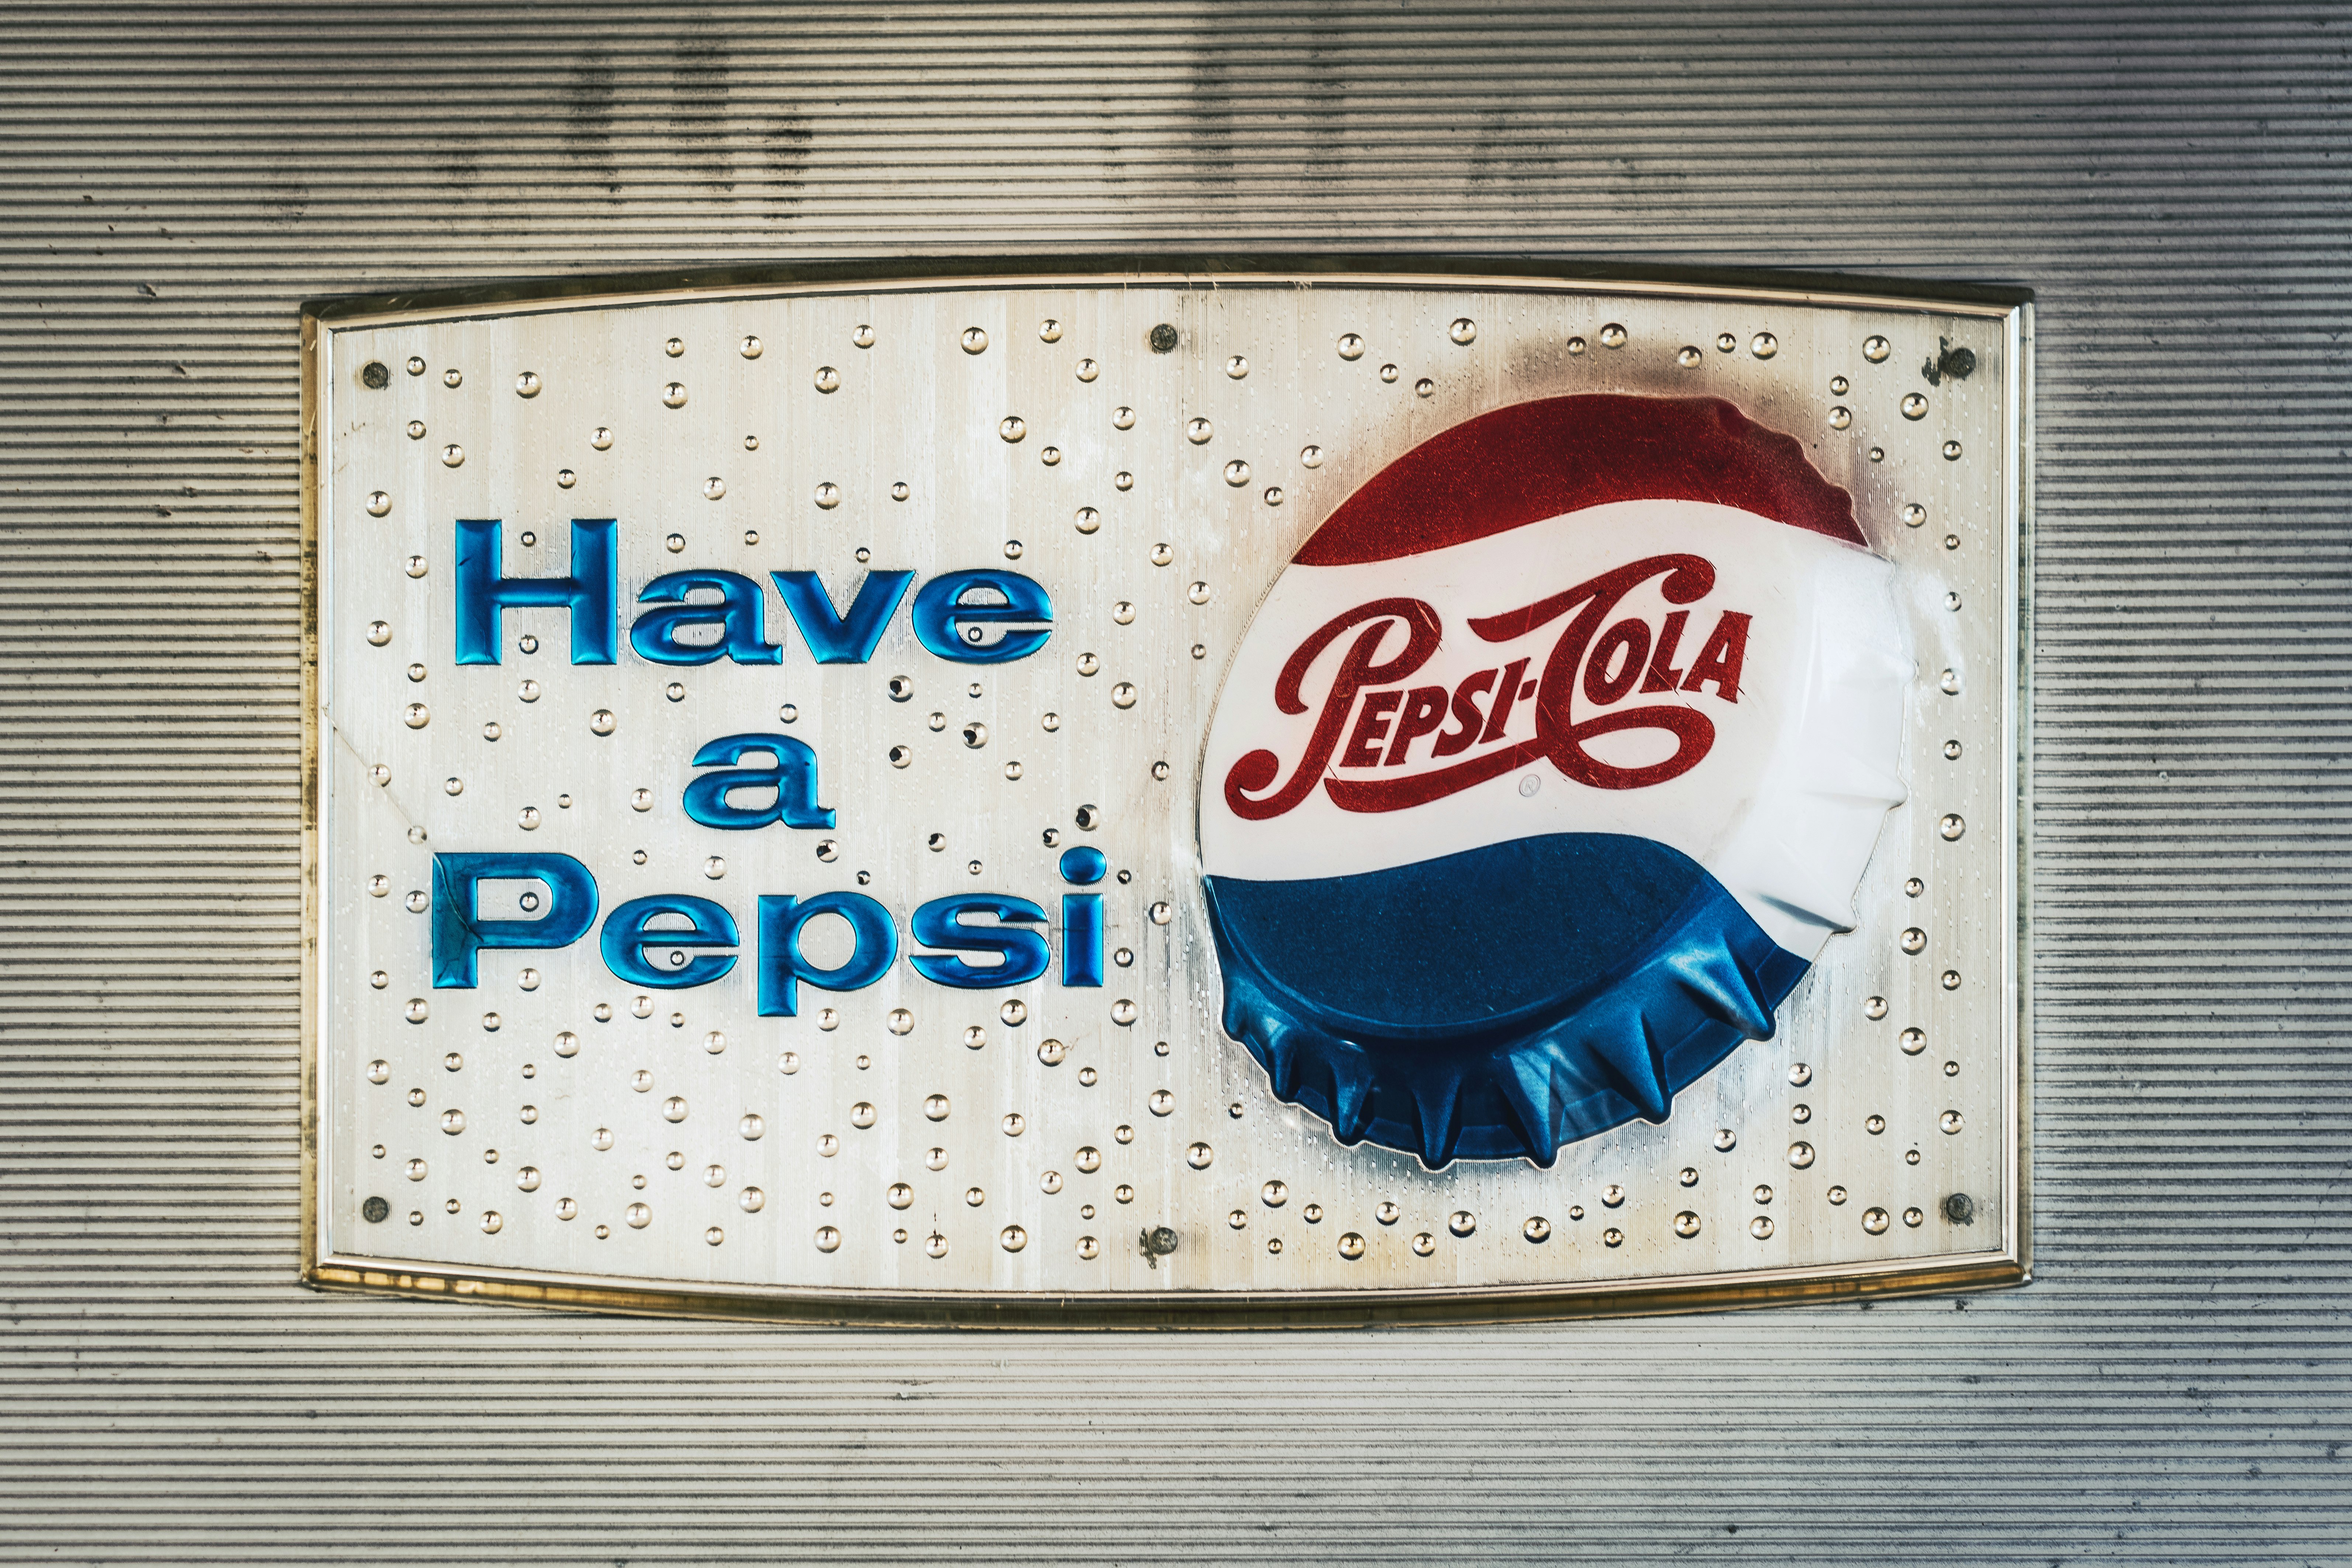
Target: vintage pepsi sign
(1249, 798)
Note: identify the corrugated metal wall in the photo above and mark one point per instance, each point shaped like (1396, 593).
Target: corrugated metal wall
(2171, 180)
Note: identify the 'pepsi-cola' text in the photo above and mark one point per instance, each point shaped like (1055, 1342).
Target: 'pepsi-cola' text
(1602, 668)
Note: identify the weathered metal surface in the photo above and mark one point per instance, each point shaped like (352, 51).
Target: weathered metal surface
(2172, 1387)
(1151, 453)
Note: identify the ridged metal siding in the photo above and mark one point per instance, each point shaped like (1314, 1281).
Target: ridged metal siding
(2171, 180)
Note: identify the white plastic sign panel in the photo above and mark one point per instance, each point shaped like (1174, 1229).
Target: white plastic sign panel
(1164, 799)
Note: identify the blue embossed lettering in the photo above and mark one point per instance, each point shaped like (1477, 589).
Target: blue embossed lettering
(955, 613)
(592, 592)
(842, 638)
(629, 931)
(793, 779)
(1022, 952)
(460, 935)
(873, 947)
(737, 613)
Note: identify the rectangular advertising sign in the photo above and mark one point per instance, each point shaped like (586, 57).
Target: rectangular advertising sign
(1277, 796)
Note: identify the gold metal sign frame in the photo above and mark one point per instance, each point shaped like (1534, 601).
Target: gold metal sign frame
(1150, 441)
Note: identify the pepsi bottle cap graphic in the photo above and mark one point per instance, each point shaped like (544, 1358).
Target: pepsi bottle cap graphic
(1545, 771)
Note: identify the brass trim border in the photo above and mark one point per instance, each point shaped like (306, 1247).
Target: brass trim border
(1394, 268)
(313, 353)
(1185, 1309)
(2008, 1265)
(2017, 798)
